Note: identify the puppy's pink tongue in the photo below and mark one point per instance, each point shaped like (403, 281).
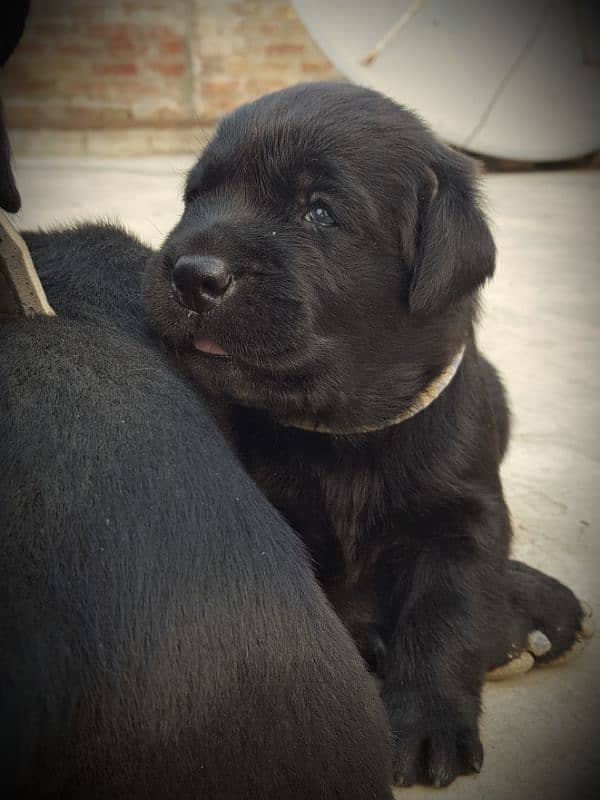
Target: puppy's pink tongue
(206, 346)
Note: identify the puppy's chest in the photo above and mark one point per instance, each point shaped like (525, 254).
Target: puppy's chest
(354, 503)
(339, 511)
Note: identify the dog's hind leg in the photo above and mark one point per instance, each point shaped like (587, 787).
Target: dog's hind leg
(545, 624)
(542, 623)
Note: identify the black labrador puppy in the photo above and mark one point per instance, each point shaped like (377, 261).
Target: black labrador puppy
(162, 634)
(324, 279)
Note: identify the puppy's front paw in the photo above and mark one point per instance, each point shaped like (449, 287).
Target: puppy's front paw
(435, 751)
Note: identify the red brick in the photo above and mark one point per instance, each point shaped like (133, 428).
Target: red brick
(167, 69)
(258, 86)
(285, 48)
(72, 49)
(35, 85)
(269, 29)
(128, 30)
(172, 47)
(316, 67)
(218, 87)
(120, 63)
(115, 69)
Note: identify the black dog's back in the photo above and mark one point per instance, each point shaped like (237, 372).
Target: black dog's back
(162, 635)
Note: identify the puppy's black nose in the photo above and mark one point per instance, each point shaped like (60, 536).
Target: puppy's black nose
(200, 280)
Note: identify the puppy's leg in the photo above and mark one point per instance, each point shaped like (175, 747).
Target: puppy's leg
(541, 623)
(433, 701)
(545, 624)
(447, 595)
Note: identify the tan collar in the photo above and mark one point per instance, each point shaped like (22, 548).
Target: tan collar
(420, 403)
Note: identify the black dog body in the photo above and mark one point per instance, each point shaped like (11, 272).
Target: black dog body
(324, 273)
(162, 634)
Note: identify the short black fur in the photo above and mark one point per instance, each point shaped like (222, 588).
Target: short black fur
(162, 634)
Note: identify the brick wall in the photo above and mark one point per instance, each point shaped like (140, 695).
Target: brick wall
(136, 76)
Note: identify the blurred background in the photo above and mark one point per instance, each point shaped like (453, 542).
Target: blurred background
(136, 77)
(513, 80)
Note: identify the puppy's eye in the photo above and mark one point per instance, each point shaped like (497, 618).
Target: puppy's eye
(319, 214)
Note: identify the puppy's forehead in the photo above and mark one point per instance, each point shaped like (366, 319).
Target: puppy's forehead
(279, 147)
(334, 133)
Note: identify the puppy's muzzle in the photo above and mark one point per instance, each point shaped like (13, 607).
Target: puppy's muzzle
(201, 281)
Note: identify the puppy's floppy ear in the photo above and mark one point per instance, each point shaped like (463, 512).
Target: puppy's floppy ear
(455, 251)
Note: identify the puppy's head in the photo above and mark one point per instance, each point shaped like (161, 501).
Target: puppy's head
(327, 258)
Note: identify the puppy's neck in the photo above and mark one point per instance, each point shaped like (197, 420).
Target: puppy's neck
(424, 399)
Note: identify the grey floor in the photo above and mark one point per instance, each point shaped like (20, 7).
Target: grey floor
(541, 732)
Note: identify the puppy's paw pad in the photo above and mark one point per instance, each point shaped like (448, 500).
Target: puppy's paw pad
(515, 666)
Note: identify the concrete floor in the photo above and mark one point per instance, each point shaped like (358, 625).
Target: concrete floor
(541, 329)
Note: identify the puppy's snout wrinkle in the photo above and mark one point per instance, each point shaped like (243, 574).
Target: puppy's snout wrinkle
(200, 281)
